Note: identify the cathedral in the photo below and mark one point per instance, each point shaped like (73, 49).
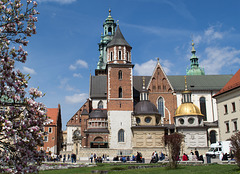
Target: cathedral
(126, 113)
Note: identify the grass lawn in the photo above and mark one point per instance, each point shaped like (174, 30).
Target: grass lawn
(208, 169)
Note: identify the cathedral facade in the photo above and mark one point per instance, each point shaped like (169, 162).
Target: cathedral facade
(126, 112)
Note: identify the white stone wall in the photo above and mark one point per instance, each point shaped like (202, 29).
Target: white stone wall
(194, 137)
(211, 107)
(120, 120)
(70, 130)
(231, 116)
(95, 103)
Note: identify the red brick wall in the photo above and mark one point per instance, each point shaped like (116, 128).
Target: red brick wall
(113, 88)
(160, 87)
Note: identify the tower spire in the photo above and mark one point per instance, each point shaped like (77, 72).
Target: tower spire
(195, 69)
(109, 27)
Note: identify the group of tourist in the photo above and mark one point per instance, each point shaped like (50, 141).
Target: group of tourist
(64, 158)
(98, 159)
(158, 157)
(192, 156)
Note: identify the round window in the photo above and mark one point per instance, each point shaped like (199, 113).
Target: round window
(181, 121)
(147, 120)
(190, 120)
(138, 120)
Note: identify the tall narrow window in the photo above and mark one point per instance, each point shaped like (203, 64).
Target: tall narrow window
(225, 109)
(120, 75)
(213, 136)
(120, 92)
(203, 107)
(161, 106)
(111, 56)
(100, 105)
(120, 55)
(127, 56)
(233, 107)
(121, 135)
(227, 127)
(235, 125)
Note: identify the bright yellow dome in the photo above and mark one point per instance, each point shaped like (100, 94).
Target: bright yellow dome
(188, 109)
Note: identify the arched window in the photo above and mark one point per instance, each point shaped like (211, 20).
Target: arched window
(109, 31)
(120, 92)
(213, 138)
(99, 139)
(203, 107)
(161, 106)
(121, 135)
(120, 75)
(119, 55)
(100, 105)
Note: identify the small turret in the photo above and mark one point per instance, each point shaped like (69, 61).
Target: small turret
(195, 69)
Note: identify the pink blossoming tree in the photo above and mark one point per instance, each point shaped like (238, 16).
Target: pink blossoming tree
(21, 116)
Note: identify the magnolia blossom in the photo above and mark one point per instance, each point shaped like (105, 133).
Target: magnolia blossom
(21, 118)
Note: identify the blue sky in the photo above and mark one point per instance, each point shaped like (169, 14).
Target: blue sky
(64, 52)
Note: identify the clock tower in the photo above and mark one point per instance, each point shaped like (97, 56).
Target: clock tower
(120, 92)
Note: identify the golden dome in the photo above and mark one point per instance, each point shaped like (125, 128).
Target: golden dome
(188, 109)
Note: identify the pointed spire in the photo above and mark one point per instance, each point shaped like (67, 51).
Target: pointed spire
(118, 39)
(195, 69)
(193, 50)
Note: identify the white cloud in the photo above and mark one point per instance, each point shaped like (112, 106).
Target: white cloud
(211, 34)
(59, 1)
(219, 58)
(28, 70)
(147, 68)
(64, 85)
(77, 75)
(79, 64)
(76, 98)
(72, 67)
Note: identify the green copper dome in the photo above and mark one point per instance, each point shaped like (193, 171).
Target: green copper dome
(195, 69)
(109, 27)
